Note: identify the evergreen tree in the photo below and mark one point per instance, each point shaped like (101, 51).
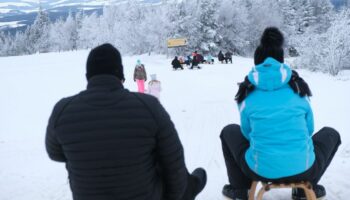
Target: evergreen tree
(323, 12)
(329, 51)
(208, 28)
(233, 23)
(3, 44)
(38, 33)
(258, 21)
(64, 34)
(18, 45)
(71, 29)
(89, 33)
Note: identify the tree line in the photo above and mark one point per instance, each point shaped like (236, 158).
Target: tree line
(316, 32)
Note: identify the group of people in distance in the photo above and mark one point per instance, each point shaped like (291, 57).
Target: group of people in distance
(227, 57)
(123, 145)
(192, 61)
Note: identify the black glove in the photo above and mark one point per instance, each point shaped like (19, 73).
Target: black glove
(245, 88)
(299, 86)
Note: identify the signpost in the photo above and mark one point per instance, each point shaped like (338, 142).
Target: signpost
(176, 42)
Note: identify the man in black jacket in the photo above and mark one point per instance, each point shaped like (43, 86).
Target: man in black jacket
(176, 64)
(118, 145)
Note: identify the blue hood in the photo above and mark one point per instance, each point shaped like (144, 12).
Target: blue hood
(270, 75)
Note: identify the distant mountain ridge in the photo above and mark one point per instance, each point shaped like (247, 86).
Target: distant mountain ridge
(339, 3)
(17, 14)
(13, 7)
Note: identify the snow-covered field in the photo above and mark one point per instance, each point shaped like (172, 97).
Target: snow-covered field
(200, 102)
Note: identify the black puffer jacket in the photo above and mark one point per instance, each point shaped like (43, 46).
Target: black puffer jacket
(115, 142)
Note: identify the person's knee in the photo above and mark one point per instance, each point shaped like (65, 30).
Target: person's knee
(229, 129)
(332, 133)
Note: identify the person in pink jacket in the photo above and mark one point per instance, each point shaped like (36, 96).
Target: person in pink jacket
(154, 86)
(140, 76)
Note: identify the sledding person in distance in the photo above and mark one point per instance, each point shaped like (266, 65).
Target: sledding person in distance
(188, 61)
(195, 61)
(209, 59)
(221, 57)
(274, 141)
(176, 64)
(228, 57)
(118, 144)
(140, 76)
(200, 58)
(181, 60)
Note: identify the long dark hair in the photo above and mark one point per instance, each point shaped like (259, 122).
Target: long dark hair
(297, 84)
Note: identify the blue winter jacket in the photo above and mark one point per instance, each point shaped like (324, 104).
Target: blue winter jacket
(277, 122)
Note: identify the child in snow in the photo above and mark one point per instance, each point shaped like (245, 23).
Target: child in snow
(275, 141)
(140, 76)
(154, 86)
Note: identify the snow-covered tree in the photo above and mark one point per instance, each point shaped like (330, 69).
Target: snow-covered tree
(110, 20)
(18, 45)
(3, 44)
(64, 34)
(339, 43)
(209, 26)
(233, 23)
(38, 33)
(155, 26)
(258, 21)
(329, 51)
(89, 33)
(181, 22)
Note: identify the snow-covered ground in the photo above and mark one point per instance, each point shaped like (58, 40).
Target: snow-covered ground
(200, 102)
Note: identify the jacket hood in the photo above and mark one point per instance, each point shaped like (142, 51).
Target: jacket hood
(270, 75)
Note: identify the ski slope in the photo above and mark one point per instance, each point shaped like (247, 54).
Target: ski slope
(200, 102)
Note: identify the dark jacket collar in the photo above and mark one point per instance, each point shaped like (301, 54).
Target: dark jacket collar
(105, 81)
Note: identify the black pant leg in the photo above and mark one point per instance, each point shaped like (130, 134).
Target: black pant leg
(191, 189)
(326, 143)
(234, 146)
(189, 193)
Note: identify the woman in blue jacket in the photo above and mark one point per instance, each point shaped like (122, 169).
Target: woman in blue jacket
(275, 141)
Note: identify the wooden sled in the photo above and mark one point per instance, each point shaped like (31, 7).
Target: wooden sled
(306, 186)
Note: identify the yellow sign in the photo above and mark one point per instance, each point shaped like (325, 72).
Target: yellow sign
(177, 42)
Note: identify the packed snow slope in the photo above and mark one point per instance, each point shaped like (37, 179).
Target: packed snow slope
(200, 102)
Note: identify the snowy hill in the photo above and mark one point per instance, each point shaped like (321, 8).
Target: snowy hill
(200, 102)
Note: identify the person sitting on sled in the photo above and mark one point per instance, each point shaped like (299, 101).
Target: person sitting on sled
(275, 141)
